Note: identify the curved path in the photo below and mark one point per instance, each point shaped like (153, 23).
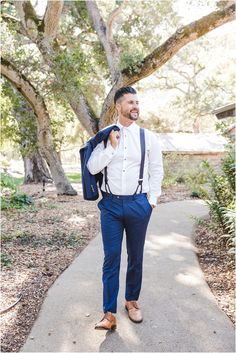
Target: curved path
(180, 312)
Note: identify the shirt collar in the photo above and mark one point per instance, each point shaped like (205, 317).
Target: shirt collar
(131, 127)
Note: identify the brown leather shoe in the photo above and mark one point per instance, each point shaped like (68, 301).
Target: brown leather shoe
(134, 311)
(108, 322)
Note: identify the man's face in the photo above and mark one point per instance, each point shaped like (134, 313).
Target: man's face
(128, 106)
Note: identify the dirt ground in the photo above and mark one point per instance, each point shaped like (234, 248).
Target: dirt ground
(40, 242)
(218, 266)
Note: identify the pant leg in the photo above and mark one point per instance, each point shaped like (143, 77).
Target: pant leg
(112, 234)
(137, 216)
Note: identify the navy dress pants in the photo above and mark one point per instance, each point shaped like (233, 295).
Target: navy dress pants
(118, 214)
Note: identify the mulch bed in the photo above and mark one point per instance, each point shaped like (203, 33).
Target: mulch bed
(217, 264)
(39, 243)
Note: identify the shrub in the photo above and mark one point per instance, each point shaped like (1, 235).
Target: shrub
(196, 180)
(10, 197)
(222, 199)
(15, 200)
(228, 166)
(8, 182)
(6, 260)
(174, 169)
(180, 168)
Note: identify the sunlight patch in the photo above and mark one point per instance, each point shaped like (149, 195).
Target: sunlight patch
(75, 219)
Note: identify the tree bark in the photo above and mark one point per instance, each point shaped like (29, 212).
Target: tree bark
(111, 19)
(44, 133)
(51, 22)
(105, 36)
(196, 123)
(108, 108)
(41, 32)
(35, 169)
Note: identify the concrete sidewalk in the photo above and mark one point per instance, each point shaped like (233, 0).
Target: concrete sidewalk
(180, 312)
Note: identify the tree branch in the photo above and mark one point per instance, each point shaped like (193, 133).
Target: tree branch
(179, 39)
(41, 32)
(111, 49)
(84, 112)
(171, 86)
(113, 15)
(108, 108)
(23, 85)
(11, 20)
(28, 18)
(181, 73)
(51, 21)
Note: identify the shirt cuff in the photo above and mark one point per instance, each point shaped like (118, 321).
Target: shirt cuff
(153, 200)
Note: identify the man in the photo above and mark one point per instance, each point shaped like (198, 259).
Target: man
(123, 206)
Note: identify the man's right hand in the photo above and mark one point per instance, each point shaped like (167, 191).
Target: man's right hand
(114, 137)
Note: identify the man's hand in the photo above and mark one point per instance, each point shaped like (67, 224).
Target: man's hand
(114, 137)
(153, 206)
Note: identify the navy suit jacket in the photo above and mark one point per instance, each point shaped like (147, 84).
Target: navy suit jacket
(89, 181)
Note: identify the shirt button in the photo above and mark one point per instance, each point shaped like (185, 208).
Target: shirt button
(123, 170)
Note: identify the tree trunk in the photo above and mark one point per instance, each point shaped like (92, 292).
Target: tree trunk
(36, 170)
(62, 184)
(59, 156)
(44, 131)
(196, 124)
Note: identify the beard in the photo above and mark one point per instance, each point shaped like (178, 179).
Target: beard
(131, 115)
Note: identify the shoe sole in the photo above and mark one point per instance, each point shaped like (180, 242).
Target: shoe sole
(107, 329)
(136, 322)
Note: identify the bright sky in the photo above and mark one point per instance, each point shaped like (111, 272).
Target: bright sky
(193, 11)
(189, 12)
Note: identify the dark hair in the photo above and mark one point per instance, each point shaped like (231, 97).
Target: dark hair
(122, 91)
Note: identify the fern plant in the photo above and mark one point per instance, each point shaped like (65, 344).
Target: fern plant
(222, 198)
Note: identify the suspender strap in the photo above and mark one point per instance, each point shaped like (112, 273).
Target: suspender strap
(107, 187)
(142, 143)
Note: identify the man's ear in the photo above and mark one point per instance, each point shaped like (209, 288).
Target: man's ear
(117, 106)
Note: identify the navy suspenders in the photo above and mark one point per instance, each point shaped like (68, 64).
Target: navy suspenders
(143, 147)
(140, 180)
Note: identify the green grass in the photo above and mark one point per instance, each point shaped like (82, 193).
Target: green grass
(74, 177)
(10, 181)
(18, 180)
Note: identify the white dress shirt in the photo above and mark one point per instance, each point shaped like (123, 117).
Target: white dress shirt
(123, 163)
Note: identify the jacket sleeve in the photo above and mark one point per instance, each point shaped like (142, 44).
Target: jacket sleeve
(155, 170)
(100, 157)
